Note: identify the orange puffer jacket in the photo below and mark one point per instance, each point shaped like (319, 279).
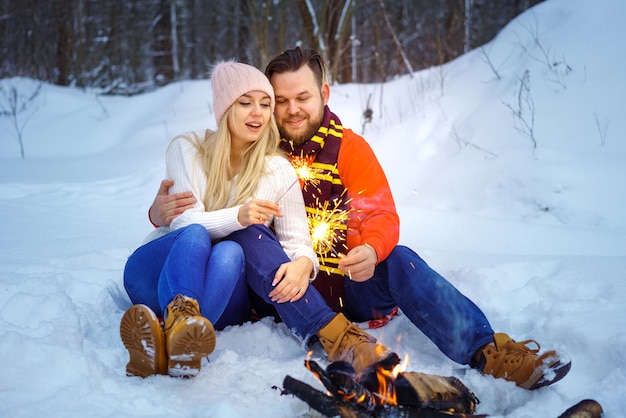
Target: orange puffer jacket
(373, 218)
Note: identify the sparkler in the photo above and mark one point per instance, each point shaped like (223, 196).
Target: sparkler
(288, 188)
(327, 226)
(327, 221)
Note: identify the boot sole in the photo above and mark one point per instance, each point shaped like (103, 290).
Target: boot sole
(557, 372)
(188, 346)
(143, 338)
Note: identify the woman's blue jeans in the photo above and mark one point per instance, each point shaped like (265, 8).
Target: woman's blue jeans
(263, 256)
(452, 321)
(186, 262)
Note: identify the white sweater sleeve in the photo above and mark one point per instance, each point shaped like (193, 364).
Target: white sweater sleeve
(183, 166)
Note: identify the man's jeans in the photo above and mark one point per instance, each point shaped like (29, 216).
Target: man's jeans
(186, 262)
(453, 322)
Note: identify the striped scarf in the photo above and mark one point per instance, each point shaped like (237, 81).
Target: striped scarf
(326, 202)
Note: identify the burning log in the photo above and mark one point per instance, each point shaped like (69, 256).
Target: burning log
(318, 400)
(434, 392)
(379, 394)
(330, 406)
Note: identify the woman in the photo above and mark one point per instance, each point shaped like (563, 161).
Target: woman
(191, 273)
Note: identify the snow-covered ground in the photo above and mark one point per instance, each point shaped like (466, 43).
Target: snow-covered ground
(536, 236)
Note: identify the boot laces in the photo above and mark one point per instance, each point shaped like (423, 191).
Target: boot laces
(517, 352)
(521, 347)
(352, 336)
(359, 334)
(183, 307)
(187, 307)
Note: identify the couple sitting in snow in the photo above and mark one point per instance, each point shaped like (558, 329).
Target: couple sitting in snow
(235, 235)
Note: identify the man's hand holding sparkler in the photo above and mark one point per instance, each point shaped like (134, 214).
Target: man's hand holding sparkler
(257, 211)
(359, 263)
(291, 280)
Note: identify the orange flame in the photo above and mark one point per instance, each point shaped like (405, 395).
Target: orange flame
(386, 381)
(400, 367)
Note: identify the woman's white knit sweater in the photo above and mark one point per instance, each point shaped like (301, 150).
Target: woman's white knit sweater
(277, 184)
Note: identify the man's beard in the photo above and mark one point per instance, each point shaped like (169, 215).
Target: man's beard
(312, 126)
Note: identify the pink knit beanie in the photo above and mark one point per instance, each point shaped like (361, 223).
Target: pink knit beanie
(230, 80)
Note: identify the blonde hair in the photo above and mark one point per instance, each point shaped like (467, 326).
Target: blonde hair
(214, 154)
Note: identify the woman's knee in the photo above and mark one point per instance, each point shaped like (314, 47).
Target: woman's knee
(230, 251)
(196, 231)
(194, 237)
(228, 254)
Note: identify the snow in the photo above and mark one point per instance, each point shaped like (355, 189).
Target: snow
(535, 236)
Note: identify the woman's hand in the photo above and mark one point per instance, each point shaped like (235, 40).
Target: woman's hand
(291, 280)
(257, 211)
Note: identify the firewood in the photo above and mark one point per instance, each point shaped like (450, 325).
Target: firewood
(348, 398)
(330, 406)
(316, 399)
(418, 395)
(445, 393)
(587, 408)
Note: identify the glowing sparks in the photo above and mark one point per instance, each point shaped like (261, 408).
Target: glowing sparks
(327, 226)
(328, 219)
(305, 172)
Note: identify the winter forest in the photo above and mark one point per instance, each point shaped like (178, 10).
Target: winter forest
(130, 47)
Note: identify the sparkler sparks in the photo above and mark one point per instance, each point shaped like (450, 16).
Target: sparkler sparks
(327, 225)
(327, 220)
(305, 172)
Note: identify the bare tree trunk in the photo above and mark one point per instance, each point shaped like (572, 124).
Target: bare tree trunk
(405, 59)
(64, 43)
(162, 46)
(354, 44)
(468, 25)
(174, 37)
(310, 26)
(335, 32)
(260, 11)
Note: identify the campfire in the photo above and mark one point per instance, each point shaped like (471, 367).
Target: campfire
(381, 392)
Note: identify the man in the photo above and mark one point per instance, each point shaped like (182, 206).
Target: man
(363, 272)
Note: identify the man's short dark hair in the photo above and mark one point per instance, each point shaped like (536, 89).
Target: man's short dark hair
(293, 59)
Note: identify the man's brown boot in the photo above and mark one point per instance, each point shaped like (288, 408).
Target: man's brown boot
(142, 336)
(344, 341)
(516, 362)
(188, 337)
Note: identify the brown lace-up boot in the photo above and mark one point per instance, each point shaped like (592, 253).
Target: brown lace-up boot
(516, 362)
(344, 341)
(142, 336)
(188, 337)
